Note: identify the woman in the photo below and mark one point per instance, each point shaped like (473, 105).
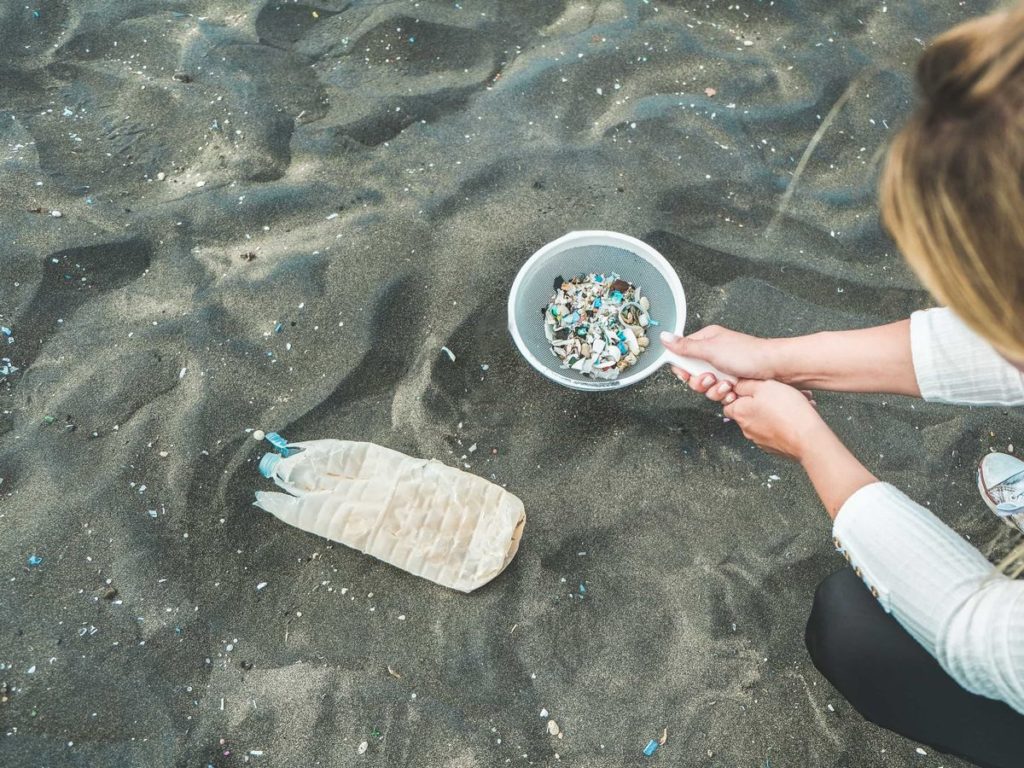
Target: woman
(922, 635)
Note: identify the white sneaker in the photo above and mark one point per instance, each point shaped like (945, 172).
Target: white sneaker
(1001, 483)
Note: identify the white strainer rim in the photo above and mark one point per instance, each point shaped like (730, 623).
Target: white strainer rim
(614, 240)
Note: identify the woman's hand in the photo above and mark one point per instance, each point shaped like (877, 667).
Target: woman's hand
(743, 356)
(780, 420)
(777, 418)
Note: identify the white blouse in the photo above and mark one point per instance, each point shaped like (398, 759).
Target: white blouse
(939, 587)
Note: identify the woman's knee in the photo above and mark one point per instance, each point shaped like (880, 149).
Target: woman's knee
(839, 621)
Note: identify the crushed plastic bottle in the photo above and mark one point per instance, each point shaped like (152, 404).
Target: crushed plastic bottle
(432, 520)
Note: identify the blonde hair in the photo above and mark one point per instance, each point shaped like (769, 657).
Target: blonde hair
(952, 191)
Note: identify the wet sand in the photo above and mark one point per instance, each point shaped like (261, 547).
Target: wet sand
(370, 176)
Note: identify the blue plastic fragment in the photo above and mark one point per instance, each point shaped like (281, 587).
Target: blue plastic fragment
(279, 443)
(622, 348)
(268, 463)
(652, 321)
(616, 296)
(597, 302)
(598, 278)
(583, 589)
(651, 748)
(5, 330)
(34, 560)
(278, 328)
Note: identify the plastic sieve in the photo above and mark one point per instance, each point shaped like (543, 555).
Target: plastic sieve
(595, 251)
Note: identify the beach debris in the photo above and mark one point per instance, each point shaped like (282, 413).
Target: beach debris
(920, 751)
(710, 92)
(651, 748)
(363, 746)
(258, 435)
(261, 585)
(56, 214)
(543, 713)
(280, 445)
(393, 673)
(451, 355)
(597, 324)
(182, 77)
(451, 527)
(34, 560)
(248, 256)
(664, 737)
(553, 728)
(161, 176)
(7, 333)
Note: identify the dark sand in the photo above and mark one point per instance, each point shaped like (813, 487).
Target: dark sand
(390, 165)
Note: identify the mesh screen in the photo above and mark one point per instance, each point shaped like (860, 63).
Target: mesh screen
(538, 287)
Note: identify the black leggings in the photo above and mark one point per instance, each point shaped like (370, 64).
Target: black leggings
(895, 683)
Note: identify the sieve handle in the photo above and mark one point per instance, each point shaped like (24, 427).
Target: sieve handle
(696, 367)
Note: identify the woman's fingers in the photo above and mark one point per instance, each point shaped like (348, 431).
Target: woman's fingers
(683, 376)
(702, 383)
(718, 391)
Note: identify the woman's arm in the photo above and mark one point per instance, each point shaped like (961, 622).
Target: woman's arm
(869, 360)
(875, 359)
(938, 586)
(932, 355)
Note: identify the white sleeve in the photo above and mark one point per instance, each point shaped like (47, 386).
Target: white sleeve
(939, 588)
(955, 365)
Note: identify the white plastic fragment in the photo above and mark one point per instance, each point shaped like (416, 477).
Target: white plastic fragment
(921, 751)
(56, 214)
(451, 355)
(182, 372)
(553, 728)
(362, 747)
(261, 585)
